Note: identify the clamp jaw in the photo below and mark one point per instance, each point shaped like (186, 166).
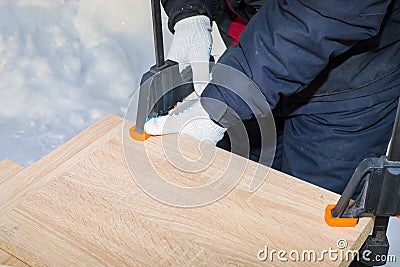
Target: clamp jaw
(163, 86)
(155, 96)
(161, 89)
(379, 197)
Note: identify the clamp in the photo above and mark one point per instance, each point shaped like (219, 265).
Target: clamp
(379, 198)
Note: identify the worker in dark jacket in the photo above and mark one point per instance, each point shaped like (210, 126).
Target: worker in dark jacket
(330, 71)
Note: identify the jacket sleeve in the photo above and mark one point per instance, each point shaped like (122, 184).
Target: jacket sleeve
(289, 42)
(180, 9)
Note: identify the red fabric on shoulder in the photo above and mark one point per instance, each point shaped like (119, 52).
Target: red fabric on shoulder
(236, 27)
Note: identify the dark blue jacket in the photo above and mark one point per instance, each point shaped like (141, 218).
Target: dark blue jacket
(308, 56)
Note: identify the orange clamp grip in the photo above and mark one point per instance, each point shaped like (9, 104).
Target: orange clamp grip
(138, 136)
(398, 216)
(338, 222)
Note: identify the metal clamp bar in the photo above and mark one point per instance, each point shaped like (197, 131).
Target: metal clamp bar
(157, 33)
(394, 149)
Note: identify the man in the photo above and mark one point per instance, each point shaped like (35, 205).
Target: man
(330, 71)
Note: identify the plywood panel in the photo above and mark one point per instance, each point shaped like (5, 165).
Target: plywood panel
(8, 169)
(91, 212)
(9, 260)
(64, 157)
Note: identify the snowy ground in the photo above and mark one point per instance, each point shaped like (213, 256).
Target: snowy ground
(66, 63)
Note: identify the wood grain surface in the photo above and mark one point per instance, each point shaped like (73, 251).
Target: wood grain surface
(64, 157)
(8, 169)
(85, 209)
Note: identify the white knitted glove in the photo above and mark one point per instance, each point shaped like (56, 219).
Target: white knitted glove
(189, 118)
(191, 45)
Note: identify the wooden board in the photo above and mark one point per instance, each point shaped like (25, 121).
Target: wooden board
(8, 169)
(85, 210)
(64, 157)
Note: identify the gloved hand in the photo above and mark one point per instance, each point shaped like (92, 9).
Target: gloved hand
(189, 118)
(191, 44)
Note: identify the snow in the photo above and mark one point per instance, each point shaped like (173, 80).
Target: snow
(64, 64)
